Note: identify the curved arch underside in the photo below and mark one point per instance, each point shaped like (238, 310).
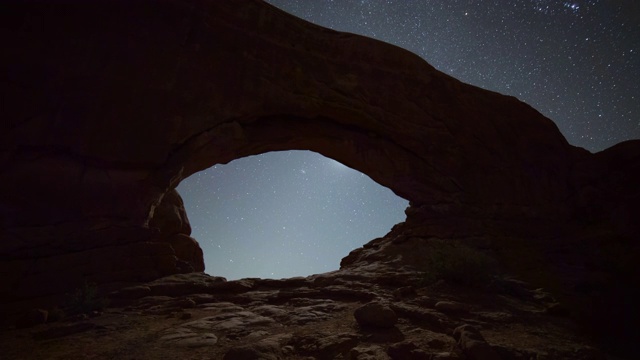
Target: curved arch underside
(110, 106)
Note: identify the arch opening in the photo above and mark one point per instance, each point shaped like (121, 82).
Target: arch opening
(284, 214)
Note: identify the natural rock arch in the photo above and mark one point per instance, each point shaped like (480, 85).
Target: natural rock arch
(109, 105)
(196, 83)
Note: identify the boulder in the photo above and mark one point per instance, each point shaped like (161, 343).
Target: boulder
(375, 314)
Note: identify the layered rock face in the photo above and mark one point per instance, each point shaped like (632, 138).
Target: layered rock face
(108, 106)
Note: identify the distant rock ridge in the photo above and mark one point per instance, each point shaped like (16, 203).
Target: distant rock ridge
(107, 106)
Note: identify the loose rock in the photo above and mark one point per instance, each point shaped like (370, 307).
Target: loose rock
(473, 345)
(375, 314)
(368, 353)
(406, 351)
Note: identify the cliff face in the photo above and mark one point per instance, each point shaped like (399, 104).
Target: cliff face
(108, 106)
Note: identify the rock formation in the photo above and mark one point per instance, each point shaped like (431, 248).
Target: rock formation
(107, 106)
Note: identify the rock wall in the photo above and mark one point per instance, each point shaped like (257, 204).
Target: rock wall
(107, 106)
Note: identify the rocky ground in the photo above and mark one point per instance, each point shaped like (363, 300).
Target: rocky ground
(364, 313)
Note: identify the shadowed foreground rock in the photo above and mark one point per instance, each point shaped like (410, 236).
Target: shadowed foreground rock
(108, 105)
(195, 316)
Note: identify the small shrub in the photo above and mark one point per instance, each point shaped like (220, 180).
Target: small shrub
(458, 264)
(84, 300)
(56, 314)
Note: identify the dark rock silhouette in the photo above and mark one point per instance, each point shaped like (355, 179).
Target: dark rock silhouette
(107, 106)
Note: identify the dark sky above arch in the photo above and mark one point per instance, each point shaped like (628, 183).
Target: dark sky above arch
(297, 213)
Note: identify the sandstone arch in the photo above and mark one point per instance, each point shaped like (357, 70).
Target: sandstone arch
(110, 105)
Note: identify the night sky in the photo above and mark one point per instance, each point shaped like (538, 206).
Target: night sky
(298, 213)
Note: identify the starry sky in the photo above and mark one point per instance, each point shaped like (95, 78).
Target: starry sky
(284, 214)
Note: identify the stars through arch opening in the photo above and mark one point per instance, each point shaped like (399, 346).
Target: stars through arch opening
(285, 214)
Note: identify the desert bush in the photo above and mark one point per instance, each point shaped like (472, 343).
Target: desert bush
(458, 264)
(56, 314)
(84, 300)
